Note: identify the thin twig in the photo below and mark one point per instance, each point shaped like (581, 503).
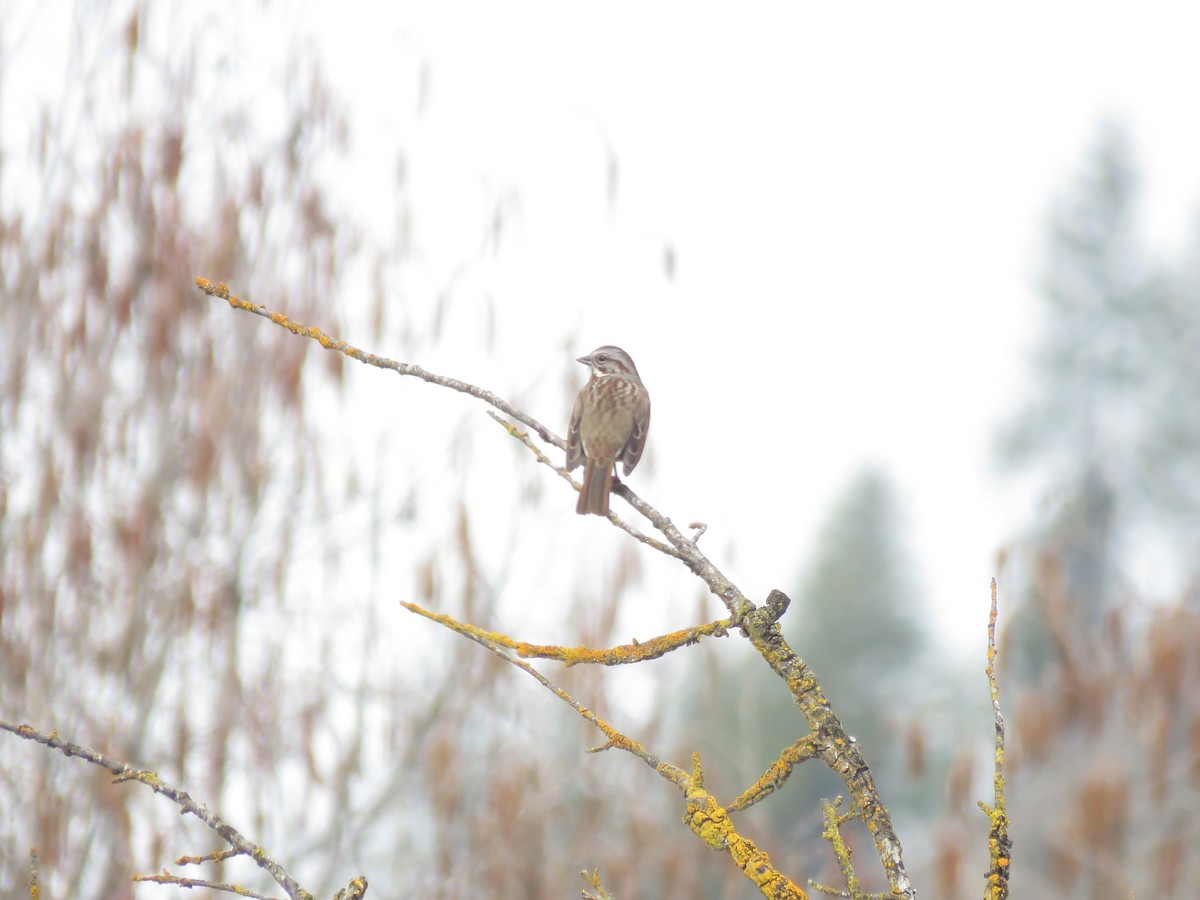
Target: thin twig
(832, 832)
(221, 291)
(125, 772)
(355, 890)
(638, 651)
(167, 878)
(999, 841)
(215, 856)
(703, 814)
(593, 881)
(35, 889)
(777, 773)
(616, 739)
(523, 437)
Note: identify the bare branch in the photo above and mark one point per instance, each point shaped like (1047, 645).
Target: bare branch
(167, 878)
(215, 856)
(35, 889)
(220, 290)
(593, 880)
(833, 745)
(616, 739)
(703, 814)
(561, 471)
(125, 772)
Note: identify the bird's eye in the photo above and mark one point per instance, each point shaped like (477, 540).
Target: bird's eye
(603, 357)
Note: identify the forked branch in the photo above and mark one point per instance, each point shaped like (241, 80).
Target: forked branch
(239, 844)
(829, 740)
(703, 814)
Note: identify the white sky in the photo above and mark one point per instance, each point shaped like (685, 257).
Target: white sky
(856, 197)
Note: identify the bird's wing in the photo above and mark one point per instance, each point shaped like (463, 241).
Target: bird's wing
(574, 440)
(632, 451)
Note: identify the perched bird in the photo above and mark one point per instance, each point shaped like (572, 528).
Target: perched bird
(609, 422)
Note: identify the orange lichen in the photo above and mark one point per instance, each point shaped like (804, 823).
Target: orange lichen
(778, 772)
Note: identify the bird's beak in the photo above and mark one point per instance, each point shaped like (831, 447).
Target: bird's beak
(586, 360)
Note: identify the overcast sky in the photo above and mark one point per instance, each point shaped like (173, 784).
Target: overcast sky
(854, 197)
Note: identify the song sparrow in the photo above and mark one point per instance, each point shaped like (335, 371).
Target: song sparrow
(608, 423)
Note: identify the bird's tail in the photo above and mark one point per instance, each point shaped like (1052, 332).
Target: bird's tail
(593, 494)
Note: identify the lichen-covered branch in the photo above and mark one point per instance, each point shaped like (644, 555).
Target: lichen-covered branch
(712, 823)
(704, 815)
(221, 291)
(638, 651)
(181, 882)
(759, 624)
(593, 881)
(777, 773)
(561, 471)
(999, 842)
(832, 832)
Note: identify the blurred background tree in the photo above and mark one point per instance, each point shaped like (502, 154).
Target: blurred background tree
(154, 463)
(202, 543)
(1114, 376)
(1104, 739)
(200, 554)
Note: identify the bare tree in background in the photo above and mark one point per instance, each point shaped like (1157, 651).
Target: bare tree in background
(153, 463)
(174, 538)
(195, 576)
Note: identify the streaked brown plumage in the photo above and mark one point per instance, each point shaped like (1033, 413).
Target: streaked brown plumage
(608, 424)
